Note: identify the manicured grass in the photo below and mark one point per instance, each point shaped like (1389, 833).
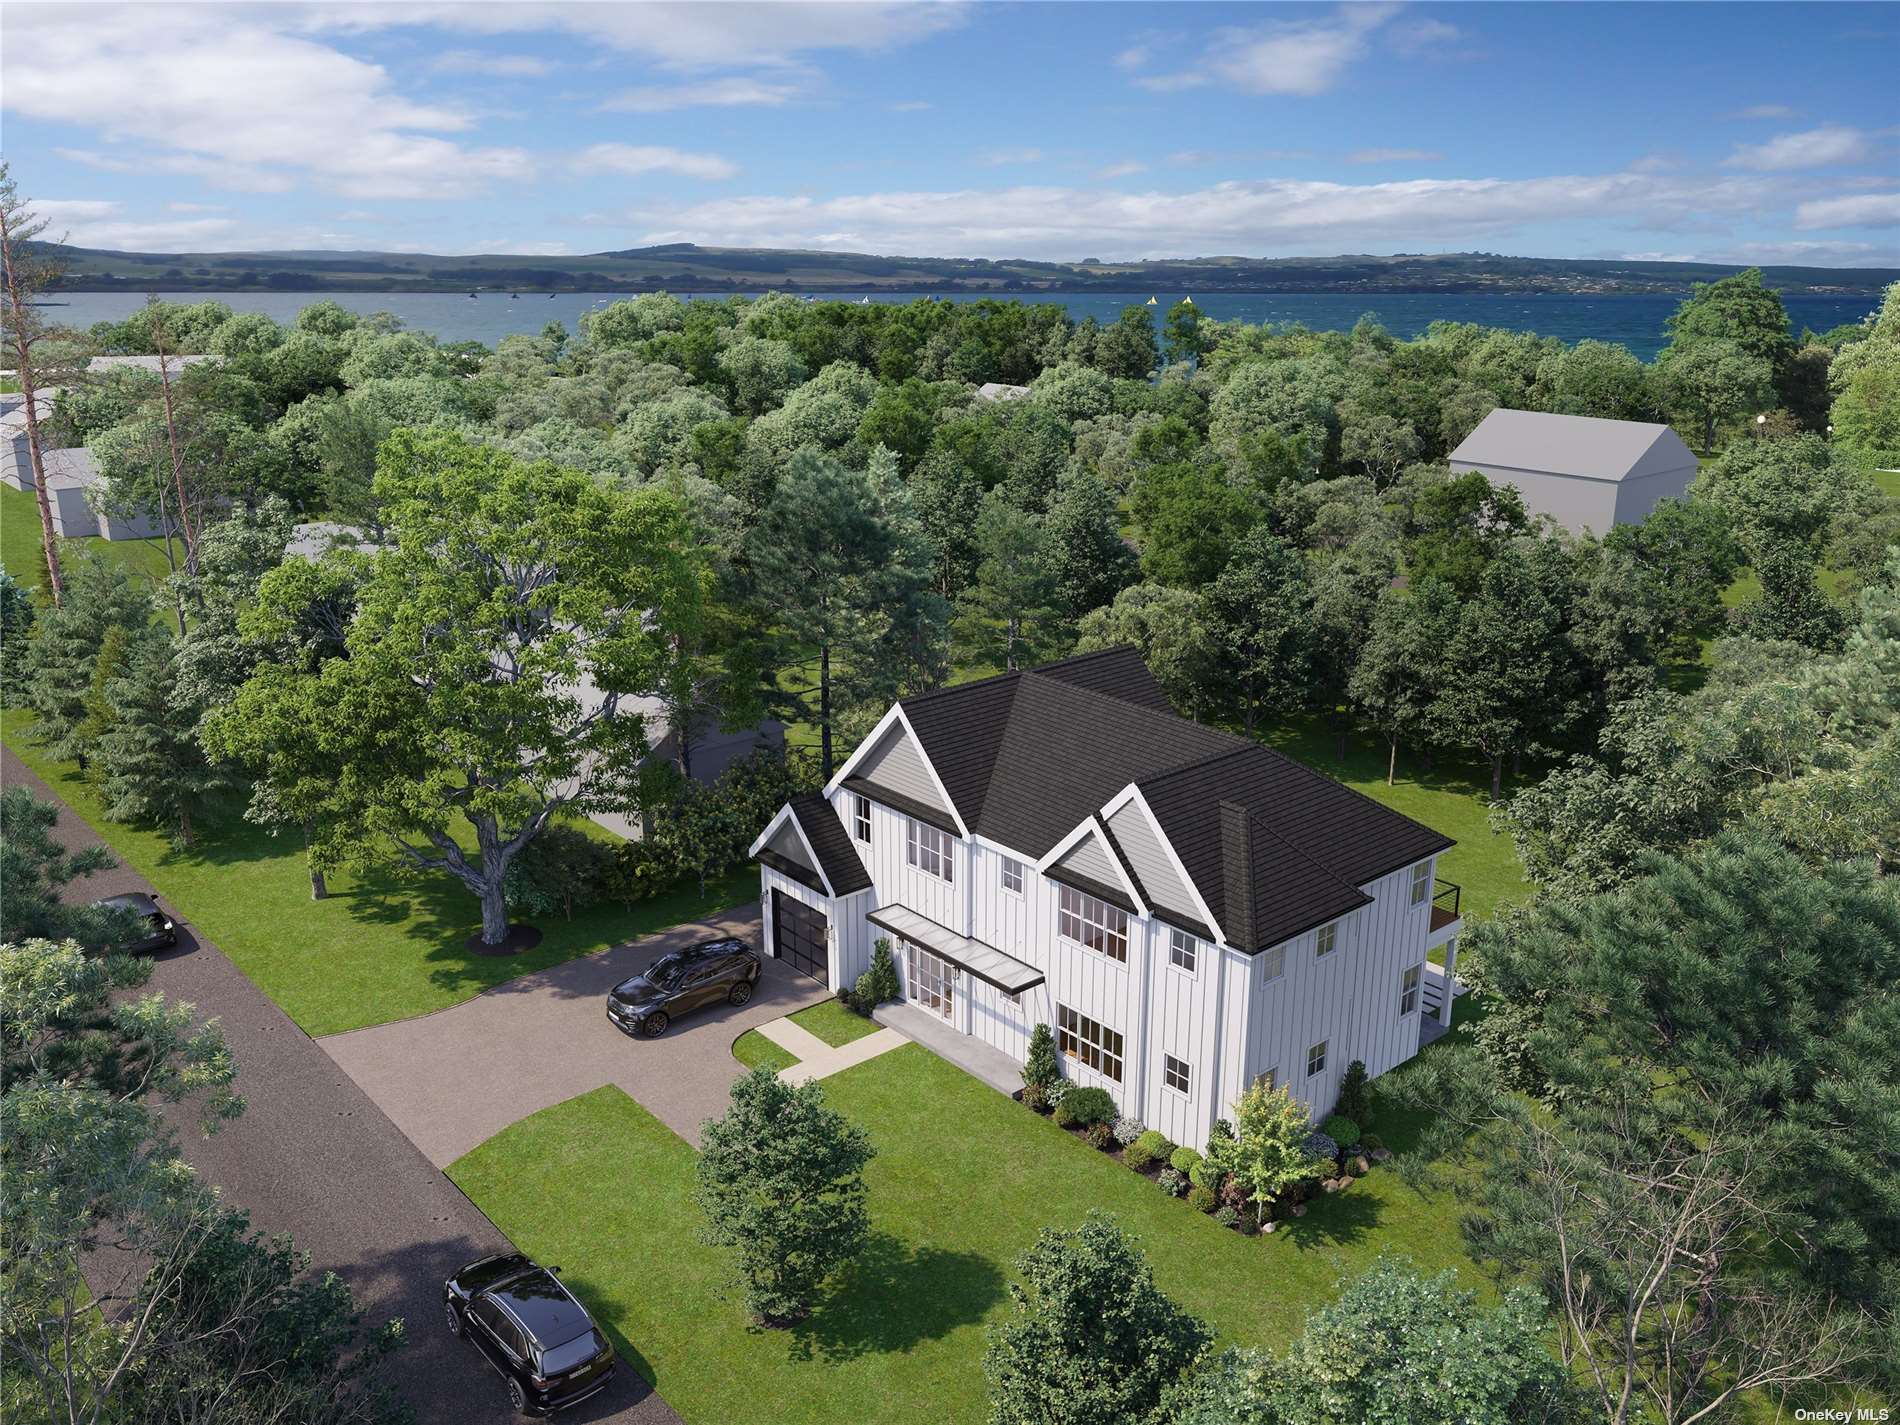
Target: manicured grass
(20, 543)
(1887, 480)
(381, 947)
(753, 1049)
(833, 1023)
(963, 1180)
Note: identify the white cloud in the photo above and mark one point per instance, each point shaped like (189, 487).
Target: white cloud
(1133, 58)
(498, 66)
(737, 91)
(1865, 210)
(1242, 217)
(1125, 169)
(104, 223)
(1421, 36)
(1009, 157)
(1394, 155)
(1762, 111)
(240, 104)
(194, 208)
(1813, 148)
(636, 159)
(1302, 57)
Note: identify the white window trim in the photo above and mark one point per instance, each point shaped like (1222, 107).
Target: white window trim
(1107, 908)
(1187, 1073)
(1273, 960)
(921, 838)
(1002, 876)
(861, 817)
(1325, 1048)
(1100, 1048)
(1194, 950)
(1321, 947)
(1411, 985)
(1421, 884)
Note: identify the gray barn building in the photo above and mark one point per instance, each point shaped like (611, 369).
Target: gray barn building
(1584, 472)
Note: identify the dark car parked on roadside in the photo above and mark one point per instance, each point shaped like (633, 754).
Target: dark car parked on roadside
(706, 973)
(532, 1330)
(157, 930)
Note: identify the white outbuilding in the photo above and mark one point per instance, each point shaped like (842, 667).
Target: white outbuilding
(1584, 472)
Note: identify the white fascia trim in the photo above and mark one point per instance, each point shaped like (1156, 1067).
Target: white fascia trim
(1065, 845)
(785, 814)
(1167, 847)
(864, 750)
(935, 780)
(1001, 849)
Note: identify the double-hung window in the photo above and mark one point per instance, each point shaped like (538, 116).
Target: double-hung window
(1093, 923)
(1012, 875)
(1272, 964)
(928, 849)
(1316, 1059)
(1183, 950)
(1408, 989)
(1175, 1073)
(1328, 940)
(1421, 883)
(860, 817)
(1087, 1042)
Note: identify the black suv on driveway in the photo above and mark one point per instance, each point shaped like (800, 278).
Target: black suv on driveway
(156, 930)
(542, 1341)
(700, 974)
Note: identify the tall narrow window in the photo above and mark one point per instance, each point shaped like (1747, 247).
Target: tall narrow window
(1316, 1059)
(1175, 1073)
(1408, 989)
(1012, 876)
(1421, 882)
(1273, 964)
(928, 849)
(1328, 940)
(1183, 950)
(860, 817)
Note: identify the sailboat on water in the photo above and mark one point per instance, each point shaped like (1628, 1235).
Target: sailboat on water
(1151, 302)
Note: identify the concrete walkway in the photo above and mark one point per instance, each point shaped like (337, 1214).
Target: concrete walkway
(819, 1060)
(973, 1056)
(314, 1157)
(453, 1079)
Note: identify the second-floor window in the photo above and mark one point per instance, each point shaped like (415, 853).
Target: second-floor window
(860, 817)
(1328, 940)
(928, 849)
(1272, 964)
(1092, 922)
(1182, 950)
(1421, 883)
(1087, 1042)
(1012, 875)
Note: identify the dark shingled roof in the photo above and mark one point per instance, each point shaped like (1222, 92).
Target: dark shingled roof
(836, 856)
(1027, 756)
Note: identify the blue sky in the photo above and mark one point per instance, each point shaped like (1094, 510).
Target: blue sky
(1759, 132)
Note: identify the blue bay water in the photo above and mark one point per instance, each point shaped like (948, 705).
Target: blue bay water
(1635, 321)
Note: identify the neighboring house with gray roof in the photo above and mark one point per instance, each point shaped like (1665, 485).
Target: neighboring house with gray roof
(172, 364)
(1584, 472)
(1189, 910)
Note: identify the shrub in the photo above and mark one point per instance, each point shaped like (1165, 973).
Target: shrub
(1099, 1135)
(1319, 1145)
(1127, 1130)
(1371, 1142)
(1201, 1199)
(1150, 1148)
(1182, 1160)
(1227, 1215)
(1172, 1182)
(1205, 1174)
(1056, 1090)
(1042, 1068)
(882, 975)
(1341, 1130)
(1354, 1103)
(1035, 1099)
(1090, 1105)
(559, 872)
(1232, 1192)
(1065, 1116)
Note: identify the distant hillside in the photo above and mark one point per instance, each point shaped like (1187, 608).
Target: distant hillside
(687, 267)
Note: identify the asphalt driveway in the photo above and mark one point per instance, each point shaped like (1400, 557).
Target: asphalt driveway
(313, 1156)
(453, 1079)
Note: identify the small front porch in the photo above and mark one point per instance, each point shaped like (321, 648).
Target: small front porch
(973, 1056)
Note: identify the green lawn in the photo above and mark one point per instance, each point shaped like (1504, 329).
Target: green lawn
(20, 542)
(827, 1019)
(962, 1181)
(753, 1049)
(381, 947)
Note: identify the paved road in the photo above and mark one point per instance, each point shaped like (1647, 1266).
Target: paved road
(453, 1079)
(314, 1157)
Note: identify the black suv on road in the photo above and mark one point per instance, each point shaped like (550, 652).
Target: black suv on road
(532, 1330)
(156, 930)
(700, 974)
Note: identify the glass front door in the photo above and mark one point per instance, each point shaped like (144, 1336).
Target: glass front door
(931, 980)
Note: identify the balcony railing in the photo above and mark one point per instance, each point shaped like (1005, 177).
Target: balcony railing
(1445, 902)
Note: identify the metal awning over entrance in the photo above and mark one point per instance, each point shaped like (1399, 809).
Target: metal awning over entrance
(986, 962)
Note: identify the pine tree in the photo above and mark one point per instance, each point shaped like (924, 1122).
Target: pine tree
(1008, 611)
(1087, 558)
(101, 716)
(151, 767)
(65, 648)
(16, 627)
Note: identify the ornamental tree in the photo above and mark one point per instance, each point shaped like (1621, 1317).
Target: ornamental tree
(1092, 1339)
(1267, 1152)
(484, 674)
(781, 1181)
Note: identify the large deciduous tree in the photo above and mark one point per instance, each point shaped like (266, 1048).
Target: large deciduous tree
(1403, 665)
(1259, 612)
(781, 1181)
(484, 676)
(28, 267)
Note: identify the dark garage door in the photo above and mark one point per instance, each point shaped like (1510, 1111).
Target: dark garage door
(798, 936)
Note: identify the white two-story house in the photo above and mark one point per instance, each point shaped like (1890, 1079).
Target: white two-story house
(1188, 910)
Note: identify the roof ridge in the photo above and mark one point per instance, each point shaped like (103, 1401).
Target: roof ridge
(1320, 866)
